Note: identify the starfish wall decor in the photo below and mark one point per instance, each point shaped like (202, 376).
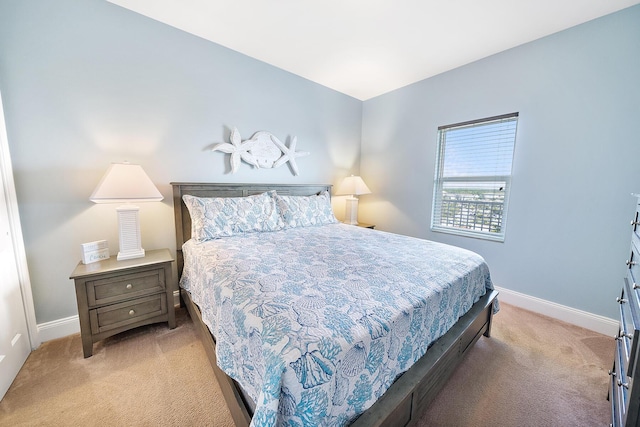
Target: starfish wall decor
(263, 151)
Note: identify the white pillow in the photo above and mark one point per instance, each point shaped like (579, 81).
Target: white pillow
(215, 217)
(305, 211)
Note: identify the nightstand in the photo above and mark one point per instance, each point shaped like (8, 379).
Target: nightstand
(115, 296)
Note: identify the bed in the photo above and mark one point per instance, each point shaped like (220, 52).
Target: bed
(310, 331)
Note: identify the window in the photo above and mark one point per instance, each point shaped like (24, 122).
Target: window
(473, 177)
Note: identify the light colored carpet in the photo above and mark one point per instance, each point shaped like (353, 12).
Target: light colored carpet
(533, 371)
(149, 376)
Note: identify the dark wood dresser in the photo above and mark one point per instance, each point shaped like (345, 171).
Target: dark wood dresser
(624, 391)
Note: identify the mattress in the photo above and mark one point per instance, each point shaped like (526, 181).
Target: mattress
(315, 323)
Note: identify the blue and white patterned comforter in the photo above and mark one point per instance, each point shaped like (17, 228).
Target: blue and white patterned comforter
(316, 323)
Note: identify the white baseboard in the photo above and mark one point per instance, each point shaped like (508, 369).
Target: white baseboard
(58, 328)
(593, 322)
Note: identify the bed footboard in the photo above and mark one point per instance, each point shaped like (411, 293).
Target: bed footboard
(407, 399)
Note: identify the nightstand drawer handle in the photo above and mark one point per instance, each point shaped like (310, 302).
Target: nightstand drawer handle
(129, 286)
(620, 300)
(625, 385)
(630, 263)
(131, 312)
(634, 223)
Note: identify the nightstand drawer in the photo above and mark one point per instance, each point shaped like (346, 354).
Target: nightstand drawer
(126, 286)
(117, 315)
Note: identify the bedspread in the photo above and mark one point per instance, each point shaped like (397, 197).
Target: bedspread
(316, 323)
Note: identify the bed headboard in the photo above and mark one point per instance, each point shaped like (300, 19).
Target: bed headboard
(183, 220)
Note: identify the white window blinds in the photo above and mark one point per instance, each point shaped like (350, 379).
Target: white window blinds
(473, 177)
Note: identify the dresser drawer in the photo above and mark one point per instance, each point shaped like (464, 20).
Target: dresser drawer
(635, 224)
(629, 331)
(616, 408)
(126, 286)
(127, 313)
(633, 265)
(621, 381)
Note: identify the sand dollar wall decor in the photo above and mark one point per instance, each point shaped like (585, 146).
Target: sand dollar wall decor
(263, 151)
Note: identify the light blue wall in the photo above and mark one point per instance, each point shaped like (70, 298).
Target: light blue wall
(86, 83)
(577, 158)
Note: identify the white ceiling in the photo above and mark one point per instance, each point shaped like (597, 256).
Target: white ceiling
(365, 48)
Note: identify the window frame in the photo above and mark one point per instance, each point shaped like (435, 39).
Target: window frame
(440, 181)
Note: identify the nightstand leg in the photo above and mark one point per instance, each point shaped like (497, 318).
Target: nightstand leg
(83, 316)
(170, 286)
(87, 347)
(172, 319)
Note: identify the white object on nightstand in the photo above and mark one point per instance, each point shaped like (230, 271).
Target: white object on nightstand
(94, 251)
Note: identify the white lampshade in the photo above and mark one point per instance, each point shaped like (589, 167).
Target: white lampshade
(352, 186)
(126, 183)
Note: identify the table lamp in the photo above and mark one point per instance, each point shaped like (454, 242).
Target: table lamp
(352, 186)
(127, 184)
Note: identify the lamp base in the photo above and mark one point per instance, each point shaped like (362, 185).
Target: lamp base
(130, 255)
(351, 210)
(129, 233)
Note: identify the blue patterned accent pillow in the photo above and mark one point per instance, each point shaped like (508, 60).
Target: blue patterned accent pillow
(305, 211)
(215, 217)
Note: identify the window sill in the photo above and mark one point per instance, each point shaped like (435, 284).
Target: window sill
(492, 237)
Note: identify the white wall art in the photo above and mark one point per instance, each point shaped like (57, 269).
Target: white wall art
(263, 151)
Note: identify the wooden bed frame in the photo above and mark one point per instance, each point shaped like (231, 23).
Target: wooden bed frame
(408, 397)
